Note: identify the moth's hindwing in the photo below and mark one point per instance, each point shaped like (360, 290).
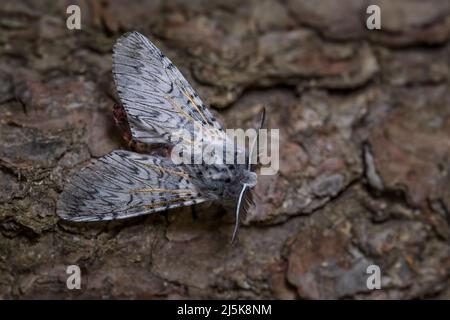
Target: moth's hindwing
(124, 184)
(157, 98)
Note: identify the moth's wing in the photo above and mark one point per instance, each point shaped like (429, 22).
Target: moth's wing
(124, 184)
(157, 98)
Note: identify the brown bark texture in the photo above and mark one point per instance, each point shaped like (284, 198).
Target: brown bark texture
(364, 119)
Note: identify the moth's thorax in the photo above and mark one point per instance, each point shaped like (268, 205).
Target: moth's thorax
(222, 181)
(249, 178)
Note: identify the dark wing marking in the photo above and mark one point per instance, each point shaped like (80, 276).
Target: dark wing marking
(124, 184)
(157, 98)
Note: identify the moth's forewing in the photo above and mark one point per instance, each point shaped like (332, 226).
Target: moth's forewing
(125, 184)
(158, 100)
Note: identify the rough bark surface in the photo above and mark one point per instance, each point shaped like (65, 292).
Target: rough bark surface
(364, 119)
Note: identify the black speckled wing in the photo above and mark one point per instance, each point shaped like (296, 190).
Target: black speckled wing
(124, 184)
(157, 98)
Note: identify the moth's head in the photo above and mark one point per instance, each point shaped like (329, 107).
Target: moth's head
(249, 178)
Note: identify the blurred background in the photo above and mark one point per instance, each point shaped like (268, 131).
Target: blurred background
(364, 119)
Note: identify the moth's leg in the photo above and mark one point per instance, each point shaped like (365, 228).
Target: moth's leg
(222, 209)
(194, 213)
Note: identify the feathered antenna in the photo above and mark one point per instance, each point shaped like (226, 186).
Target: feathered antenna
(245, 192)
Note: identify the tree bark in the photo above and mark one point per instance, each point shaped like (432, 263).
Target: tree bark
(364, 177)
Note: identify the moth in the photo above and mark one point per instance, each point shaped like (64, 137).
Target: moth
(158, 103)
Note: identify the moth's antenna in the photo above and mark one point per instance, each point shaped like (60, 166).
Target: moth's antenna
(245, 187)
(263, 118)
(252, 149)
(238, 207)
